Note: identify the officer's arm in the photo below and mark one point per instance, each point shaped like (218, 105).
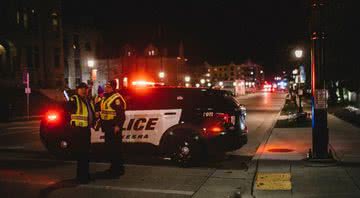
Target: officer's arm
(70, 106)
(97, 106)
(119, 106)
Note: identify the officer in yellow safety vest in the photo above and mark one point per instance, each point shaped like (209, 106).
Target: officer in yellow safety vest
(82, 115)
(112, 114)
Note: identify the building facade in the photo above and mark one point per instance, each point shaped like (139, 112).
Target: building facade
(80, 54)
(31, 40)
(251, 73)
(153, 64)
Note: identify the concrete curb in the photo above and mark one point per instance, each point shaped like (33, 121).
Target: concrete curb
(262, 146)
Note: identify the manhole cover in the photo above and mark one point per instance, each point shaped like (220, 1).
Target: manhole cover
(281, 150)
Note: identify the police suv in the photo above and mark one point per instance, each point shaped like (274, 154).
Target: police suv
(182, 124)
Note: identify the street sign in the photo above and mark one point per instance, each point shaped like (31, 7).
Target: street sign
(320, 99)
(302, 74)
(28, 90)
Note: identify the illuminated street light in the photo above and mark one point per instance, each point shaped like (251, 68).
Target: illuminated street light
(298, 53)
(91, 63)
(197, 85)
(295, 71)
(202, 81)
(208, 75)
(161, 75)
(251, 73)
(221, 83)
(261, 71)
(209, 84)
(187, 78)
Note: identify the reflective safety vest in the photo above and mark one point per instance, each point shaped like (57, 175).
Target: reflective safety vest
(108, 113)
(81, 116)
(97, 99)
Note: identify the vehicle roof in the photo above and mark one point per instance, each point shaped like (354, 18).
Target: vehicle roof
(183, 90)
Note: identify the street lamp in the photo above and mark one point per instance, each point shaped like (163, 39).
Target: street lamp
(187, 79)
(298, 54)
(161, 75)
(202, 81)
(91, 63)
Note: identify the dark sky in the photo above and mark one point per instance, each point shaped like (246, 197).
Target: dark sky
(215, 31)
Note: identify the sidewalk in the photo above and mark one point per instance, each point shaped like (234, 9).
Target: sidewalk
(282, 172)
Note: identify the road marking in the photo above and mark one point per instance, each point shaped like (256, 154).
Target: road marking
(22, 127)
(150, 190)
(273, 181)
(11, 147)
(101, 187)
(18, 132)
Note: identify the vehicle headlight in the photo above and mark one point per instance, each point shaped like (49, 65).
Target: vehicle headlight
(242, 125)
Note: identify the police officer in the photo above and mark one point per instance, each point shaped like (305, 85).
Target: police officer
(112, 114)
(81, 119)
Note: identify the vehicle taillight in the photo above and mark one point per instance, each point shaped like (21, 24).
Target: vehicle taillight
(226, 118)
(212, 131)
(52, 116)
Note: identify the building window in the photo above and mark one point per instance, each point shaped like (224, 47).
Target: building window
(29, 57)
(55, 22)
(18, 17)
(25, 20)
(36, 57)
(88, 46)
(57, 57)
(77, 68)
(78, 81)
(76, 46)
(34, 20)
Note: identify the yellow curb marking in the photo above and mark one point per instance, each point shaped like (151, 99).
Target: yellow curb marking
(273, 181)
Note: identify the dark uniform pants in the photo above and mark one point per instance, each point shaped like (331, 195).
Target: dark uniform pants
(113, 144)
(81, 145)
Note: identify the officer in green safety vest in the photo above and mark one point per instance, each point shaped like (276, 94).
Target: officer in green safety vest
(111, 109)
(82, 116)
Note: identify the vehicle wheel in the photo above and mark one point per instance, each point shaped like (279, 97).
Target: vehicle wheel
(186, 152)
(60, 149)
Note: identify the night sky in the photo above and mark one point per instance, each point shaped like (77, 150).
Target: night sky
(215, 31)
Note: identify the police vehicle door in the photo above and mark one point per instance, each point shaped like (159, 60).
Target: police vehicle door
(148, 126)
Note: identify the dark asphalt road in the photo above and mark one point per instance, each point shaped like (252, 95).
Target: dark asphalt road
(25, 164)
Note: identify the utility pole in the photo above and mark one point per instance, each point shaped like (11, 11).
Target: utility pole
(320, 131)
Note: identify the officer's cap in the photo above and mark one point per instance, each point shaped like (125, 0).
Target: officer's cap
(82, 85)
(111, 83)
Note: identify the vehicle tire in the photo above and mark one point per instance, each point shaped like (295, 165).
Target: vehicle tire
(56, 149)
(186, 152)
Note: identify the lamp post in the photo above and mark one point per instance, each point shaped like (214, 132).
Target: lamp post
(299, 54)
(90, 64)
(320, 131)
(162, 76)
